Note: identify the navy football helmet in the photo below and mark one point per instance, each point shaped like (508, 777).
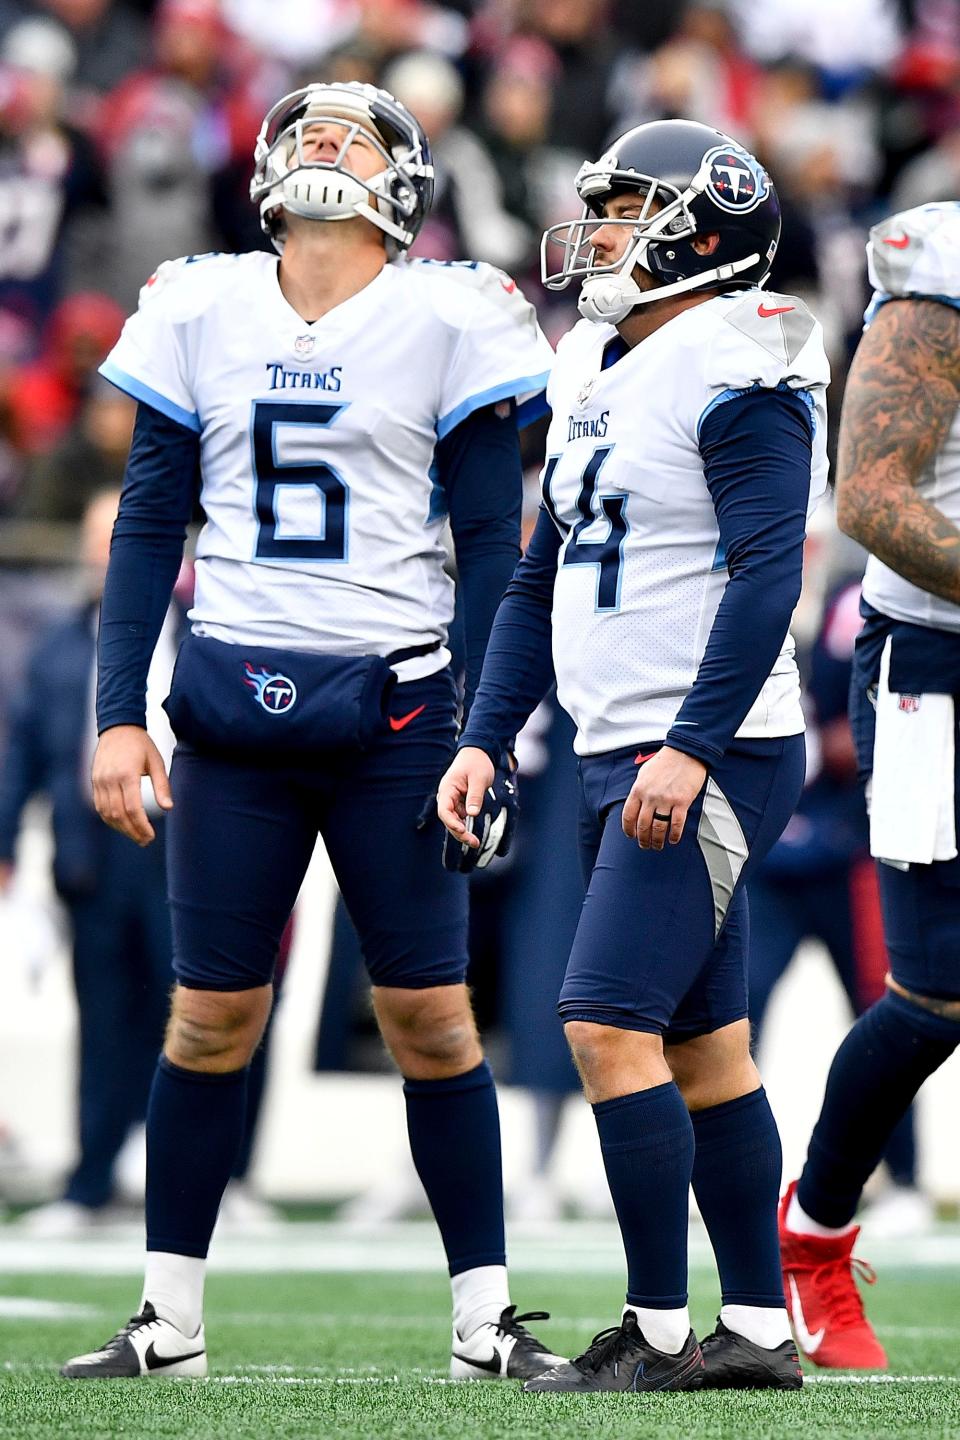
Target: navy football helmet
(326, 190)
(693, 181)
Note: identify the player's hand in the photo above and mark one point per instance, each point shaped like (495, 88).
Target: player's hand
(491, 824)
(6, 876)
(461, 791)
(666, 785)
(125, 754)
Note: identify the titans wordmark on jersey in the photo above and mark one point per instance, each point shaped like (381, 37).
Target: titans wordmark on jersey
(641, 572)
(322, 529)
(916, 256)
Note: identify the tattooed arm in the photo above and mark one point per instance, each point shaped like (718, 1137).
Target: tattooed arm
(901, 397)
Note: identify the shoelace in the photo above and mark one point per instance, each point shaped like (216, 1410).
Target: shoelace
(510, 1323)
(838, 1291)
(136, 1322)
(604, 1347)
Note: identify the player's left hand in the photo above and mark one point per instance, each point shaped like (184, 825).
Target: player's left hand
(666, 786)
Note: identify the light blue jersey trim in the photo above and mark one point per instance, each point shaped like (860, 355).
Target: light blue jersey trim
(131, 386)
(783, 387)
(882, 297)
(506, 391)
(532, 409)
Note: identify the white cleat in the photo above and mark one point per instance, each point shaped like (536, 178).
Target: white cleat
(57, 1220)
(147, 1348)
(504, 1350)
(898, 1213)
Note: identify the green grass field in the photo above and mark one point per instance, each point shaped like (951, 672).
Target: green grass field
(357, 1355)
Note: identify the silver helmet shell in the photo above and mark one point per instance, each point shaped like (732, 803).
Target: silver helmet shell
(396, 199)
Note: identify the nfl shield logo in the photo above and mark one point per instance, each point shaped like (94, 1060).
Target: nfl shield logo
(586, 390)
(908, 704)
(303, 346)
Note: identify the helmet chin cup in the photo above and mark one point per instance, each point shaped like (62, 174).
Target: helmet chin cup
(608, 299)
(320, 194)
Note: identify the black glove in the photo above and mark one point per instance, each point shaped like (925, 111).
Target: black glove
(494, 826)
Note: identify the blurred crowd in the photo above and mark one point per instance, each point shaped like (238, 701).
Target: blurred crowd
(126, 131)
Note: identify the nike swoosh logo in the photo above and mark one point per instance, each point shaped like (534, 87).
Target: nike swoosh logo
(900, 244)
(765, 314)
(400, 721)
(808, 1343)
(639, 759)
(493, 1364)
(153, 1361)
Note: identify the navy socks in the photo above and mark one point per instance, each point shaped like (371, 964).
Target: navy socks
(875, 1074)
(647, 1144)
(454, 1128)
(195, 1125)
(736, 1179)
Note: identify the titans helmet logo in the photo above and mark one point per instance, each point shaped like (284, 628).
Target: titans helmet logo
(736, 182)
(275, 693)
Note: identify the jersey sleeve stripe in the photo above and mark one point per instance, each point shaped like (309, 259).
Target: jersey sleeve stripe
(523, 385)
(883, 297)
(726, 395)
(139, 391)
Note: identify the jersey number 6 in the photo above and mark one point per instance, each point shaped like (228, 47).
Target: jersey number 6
(271, 474)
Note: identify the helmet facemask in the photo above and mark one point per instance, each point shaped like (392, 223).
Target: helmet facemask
(327, 190)
(608, 291)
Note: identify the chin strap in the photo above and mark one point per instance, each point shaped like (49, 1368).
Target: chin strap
(608, 299)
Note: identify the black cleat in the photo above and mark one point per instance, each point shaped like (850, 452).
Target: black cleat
(146, 1348)
(621, 1359)
(732, 1362)
(502, 1351)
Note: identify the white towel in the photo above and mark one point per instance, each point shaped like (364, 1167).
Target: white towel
(158, 726)
(912, 792)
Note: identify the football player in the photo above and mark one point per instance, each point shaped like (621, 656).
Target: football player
(686, 446)
(338, 404)
(898, 494)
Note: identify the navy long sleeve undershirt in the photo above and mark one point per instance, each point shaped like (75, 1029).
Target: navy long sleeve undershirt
(756, 453)
(518, 670)
(156, 504)
(756, 459)
(477, 465)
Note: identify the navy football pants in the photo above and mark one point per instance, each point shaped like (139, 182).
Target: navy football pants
(661, 945)
(240, 838)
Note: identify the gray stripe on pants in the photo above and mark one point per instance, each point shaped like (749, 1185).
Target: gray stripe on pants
(724, 849)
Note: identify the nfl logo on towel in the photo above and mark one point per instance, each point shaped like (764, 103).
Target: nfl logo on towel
(908, 704)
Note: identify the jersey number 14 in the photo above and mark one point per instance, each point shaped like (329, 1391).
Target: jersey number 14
(606, 554)
(271, 474)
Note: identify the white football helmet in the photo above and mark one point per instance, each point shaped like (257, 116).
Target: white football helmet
(327, 190)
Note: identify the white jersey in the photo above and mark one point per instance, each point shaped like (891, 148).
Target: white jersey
(629, 634)
(323, 528)
(916, 255)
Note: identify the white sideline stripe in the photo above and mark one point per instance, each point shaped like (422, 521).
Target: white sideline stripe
(15, 1307)
(573, 1248)
(22, 1307)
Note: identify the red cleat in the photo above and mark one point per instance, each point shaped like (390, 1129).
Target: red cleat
(823, 1300)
